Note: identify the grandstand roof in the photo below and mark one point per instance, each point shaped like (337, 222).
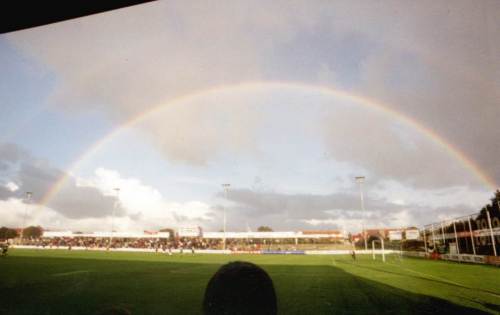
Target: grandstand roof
(105, 234)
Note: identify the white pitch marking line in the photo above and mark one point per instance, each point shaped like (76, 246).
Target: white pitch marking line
(69, 273)
(444, 280)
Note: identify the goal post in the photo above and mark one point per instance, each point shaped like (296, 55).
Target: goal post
(381, 240)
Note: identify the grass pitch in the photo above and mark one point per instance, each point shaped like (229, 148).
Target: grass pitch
(78, 282)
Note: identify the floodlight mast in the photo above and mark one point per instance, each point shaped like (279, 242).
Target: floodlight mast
(117, 190)
(29, 194)
(360, 180)
(226, 188)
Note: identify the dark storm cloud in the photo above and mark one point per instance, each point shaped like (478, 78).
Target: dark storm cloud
(37, 176)
(434, 61)
(439, 65)
(83, 202)
(300, 205)
(464, 113)
(4, 193)
(10, 153)
(391, 150)
(3, 166)
(290, 210)
(338, 210)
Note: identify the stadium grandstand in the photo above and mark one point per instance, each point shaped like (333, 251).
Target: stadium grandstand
(472, 238)
(193, 238)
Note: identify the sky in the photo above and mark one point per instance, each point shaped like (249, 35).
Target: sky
(286, 101)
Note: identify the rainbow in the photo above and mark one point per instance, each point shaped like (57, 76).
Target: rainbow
(242, 87)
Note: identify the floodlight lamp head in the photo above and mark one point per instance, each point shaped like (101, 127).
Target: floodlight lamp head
(360, 179)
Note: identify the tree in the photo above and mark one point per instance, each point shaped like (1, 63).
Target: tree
(264, 229)
(32, 232)
(493, 208)
(6, 233)
(495, 201)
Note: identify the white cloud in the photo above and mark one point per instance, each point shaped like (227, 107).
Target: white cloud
(13, 211)
(399, 202)
(143, 208)
(144, 205)
(11, 186)
(403, 218)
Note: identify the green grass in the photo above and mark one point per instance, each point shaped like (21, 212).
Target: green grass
(64, 282)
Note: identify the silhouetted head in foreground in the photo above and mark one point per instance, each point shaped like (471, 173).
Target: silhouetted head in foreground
(240, 288)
